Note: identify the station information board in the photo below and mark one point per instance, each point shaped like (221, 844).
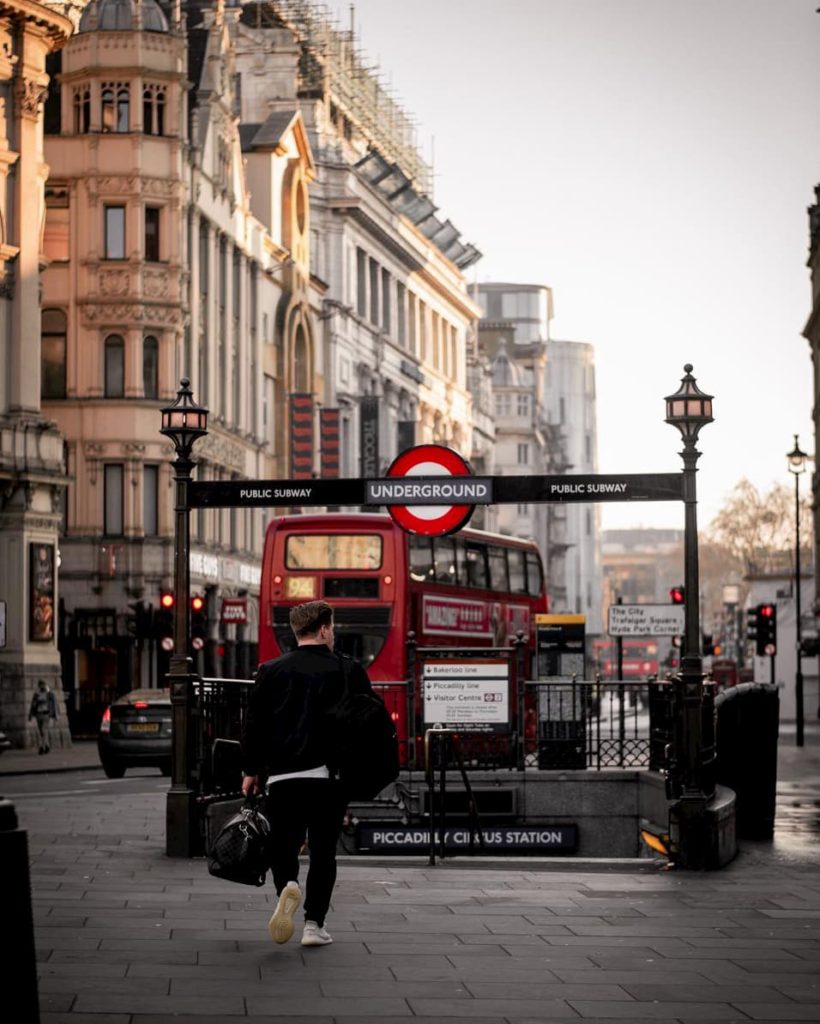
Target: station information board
(467, 693)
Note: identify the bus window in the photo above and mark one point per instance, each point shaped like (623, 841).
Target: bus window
(518, 571)
(498, 568)
(472, 566)
(535, 578)
(421, 559)
(444, 552)
(333, 551)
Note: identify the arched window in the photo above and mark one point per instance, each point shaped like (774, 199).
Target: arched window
(153, 110)
(150, 367)
(123, 103)
(114, 366)
(53, 353)
(82, 110)
(301, 361)
(108, 120)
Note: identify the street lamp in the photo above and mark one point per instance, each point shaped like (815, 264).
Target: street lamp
(689, 409)
(797, 465)
(184, 422)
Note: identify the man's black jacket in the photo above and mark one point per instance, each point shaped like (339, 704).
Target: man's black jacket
(288, 724)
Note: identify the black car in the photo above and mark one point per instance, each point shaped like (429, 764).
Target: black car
(136, 730)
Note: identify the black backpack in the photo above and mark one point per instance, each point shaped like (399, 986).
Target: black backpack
(365, 742)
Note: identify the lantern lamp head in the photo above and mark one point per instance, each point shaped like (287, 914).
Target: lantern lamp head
(689, 408)
(797, 458)
(184, 421)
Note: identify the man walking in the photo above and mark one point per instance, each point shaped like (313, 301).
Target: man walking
(287, 751)
(44, 711)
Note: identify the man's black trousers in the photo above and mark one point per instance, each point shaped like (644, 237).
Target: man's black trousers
(300, 808)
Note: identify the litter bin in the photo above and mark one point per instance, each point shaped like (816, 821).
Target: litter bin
(562, 734)
(747, 723)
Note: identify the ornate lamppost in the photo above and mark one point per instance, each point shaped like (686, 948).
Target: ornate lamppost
(797, 465)
(184, 422)
(689, 409)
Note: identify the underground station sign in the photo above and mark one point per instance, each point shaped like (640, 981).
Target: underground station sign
(430, 489)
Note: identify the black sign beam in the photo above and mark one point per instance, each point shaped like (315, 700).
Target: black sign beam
(498, 490)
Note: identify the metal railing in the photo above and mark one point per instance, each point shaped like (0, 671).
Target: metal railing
(573, 724)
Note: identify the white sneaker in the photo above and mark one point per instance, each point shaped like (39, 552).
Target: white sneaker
(280, 925)
(315, 935)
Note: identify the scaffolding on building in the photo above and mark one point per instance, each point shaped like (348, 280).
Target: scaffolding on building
(332, 67)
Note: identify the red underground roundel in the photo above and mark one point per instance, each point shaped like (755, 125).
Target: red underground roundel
(430, 520)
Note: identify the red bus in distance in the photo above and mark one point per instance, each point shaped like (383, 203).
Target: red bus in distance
(473, 589)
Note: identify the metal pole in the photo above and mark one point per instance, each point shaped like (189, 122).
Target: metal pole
(798, 678)
(180, 808)
(690, 808)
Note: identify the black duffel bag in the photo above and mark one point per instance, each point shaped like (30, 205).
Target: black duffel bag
(239, 853)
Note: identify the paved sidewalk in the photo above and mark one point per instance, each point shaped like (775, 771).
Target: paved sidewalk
(126, 935)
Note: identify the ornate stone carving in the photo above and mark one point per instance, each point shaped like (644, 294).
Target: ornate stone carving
(117, 313)
(155, 284)
(115, 282)
(222, 451)
(133, 448)
(30, 93)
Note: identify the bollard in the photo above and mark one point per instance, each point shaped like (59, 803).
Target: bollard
(19, 961)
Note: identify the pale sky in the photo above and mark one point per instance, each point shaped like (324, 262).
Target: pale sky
(652, 161)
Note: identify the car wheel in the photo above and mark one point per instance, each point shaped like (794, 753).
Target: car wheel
(113, 769)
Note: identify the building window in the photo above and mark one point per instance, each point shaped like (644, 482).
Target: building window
(523, 455)
(152, 234)
(153, 110)
(503, 404)
(374, 293)
(150, 501)
(523, 405)
(112, 498)
(150, 367)
(82, 110)
(386, 324)
(53, 353)
(56, 231)
(523, 510)
(114, 366)
(401, 314)
(116, 103)
(115, 232)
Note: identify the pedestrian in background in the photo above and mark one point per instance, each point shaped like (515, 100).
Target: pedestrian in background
(287, 752)
(43, 710)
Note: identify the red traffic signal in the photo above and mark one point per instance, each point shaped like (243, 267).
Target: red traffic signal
(166, 600)
(197, 603)
(767, 611)
(677, 595)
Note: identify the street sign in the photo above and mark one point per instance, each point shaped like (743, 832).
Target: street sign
(431, 520)
(500, 490)
(646, 620)
(560, 644)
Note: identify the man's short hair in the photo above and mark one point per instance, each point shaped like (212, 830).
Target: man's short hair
(308, 619)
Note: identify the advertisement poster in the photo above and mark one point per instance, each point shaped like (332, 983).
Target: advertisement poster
(41, 589)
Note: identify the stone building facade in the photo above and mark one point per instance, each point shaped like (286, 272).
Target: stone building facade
(32, 472)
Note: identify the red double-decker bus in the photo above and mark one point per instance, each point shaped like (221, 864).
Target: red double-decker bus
(474, 589)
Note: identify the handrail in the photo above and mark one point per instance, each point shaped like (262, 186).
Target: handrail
(442, 734)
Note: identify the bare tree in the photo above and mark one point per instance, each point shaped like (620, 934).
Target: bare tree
(757, 529)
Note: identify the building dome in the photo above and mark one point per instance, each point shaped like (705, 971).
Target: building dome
(122, 16)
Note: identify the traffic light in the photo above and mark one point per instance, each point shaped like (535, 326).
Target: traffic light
(766, 629)
(751, 624)
(677, 595)
(199, 622)
(164, 620)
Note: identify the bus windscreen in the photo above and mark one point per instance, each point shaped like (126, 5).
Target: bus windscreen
(333, 551)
